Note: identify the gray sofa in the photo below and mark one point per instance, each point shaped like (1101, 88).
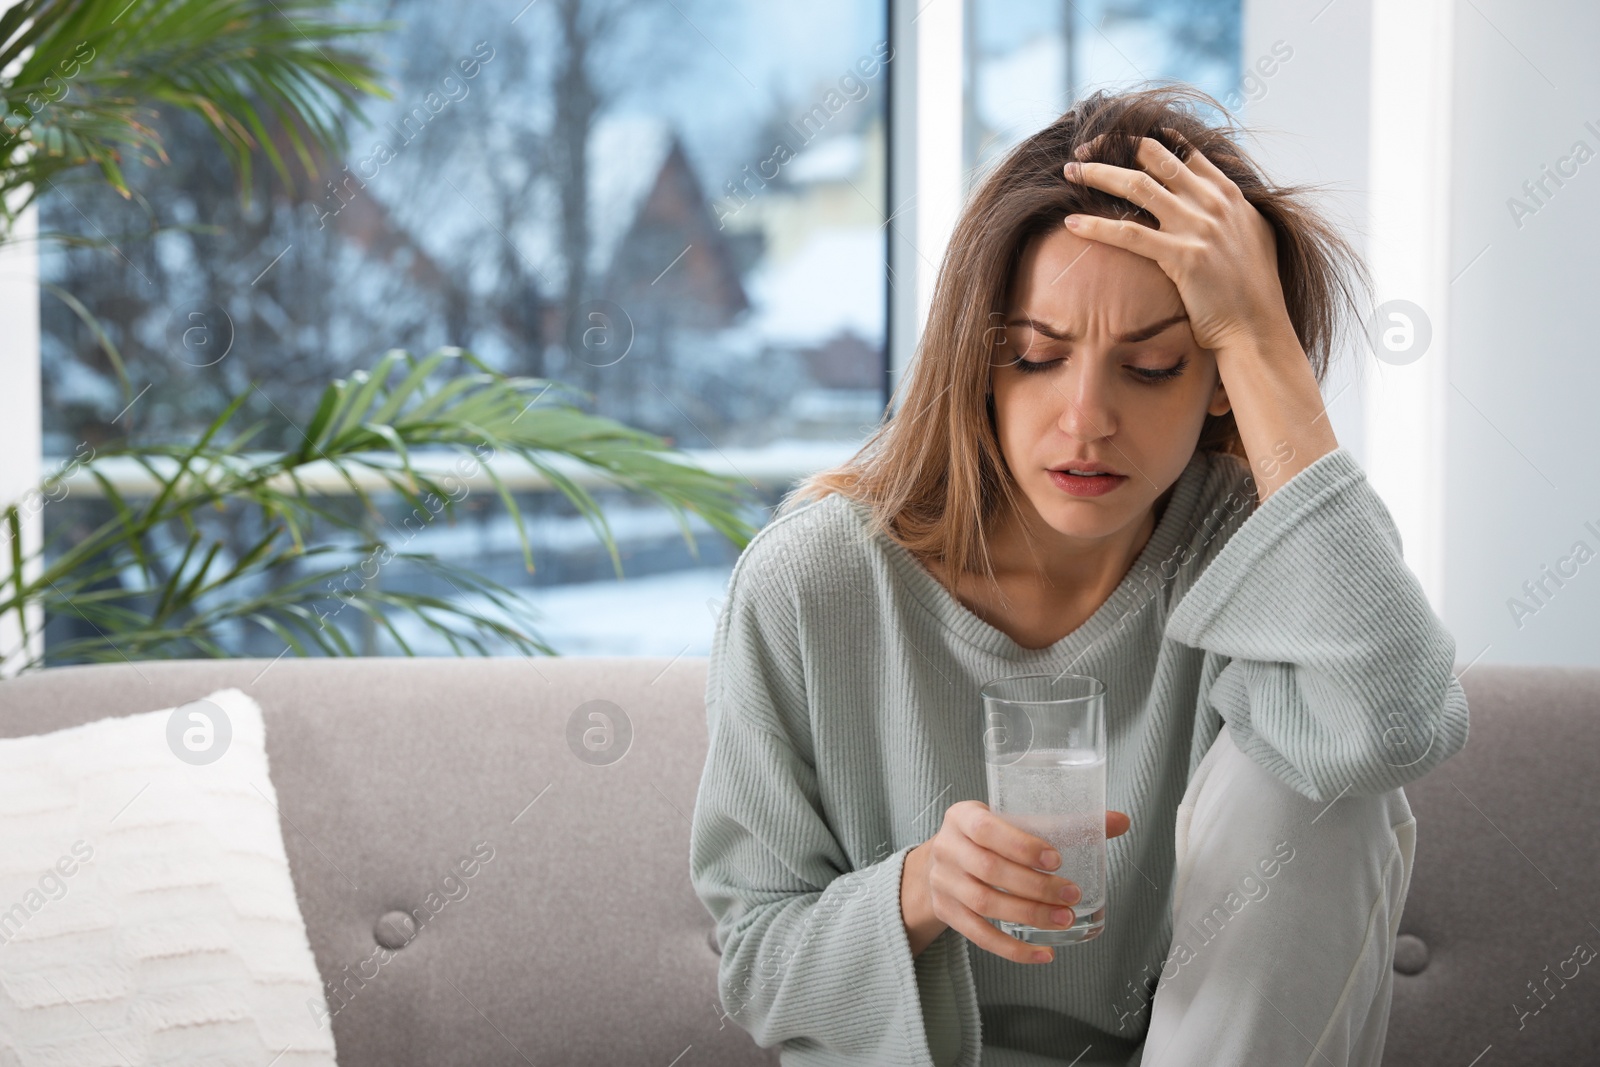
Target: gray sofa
(583, 942)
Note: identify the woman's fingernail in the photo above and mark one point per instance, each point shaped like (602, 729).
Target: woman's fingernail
(1073, 169)
(1051, 858)
(1072, 224)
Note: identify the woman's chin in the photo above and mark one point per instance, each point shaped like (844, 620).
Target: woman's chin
(1085, 520)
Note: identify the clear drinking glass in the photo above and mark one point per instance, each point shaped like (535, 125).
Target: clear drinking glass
(1044, 745)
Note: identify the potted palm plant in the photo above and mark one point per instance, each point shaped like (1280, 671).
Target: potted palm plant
(149, 579)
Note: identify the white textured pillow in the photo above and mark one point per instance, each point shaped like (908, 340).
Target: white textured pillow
(147, 915)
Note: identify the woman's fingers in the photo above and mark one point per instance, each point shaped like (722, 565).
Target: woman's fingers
(1164, 166)
(1019, 880)
(1168, 187)
(984, 868)
(1136, 237)
(984, 827)
(970, 921)
(1138, 187)
(1191, 174)
(1199, 163)
(1163, 163)
(986, 900)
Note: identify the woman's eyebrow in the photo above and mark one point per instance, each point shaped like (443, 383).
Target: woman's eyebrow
(1143, 333)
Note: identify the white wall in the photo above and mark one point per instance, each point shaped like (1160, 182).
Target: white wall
(1306, 134)
(1514, 374)
(1524, 437)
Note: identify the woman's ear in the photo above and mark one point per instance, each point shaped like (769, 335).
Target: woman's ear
(1220, 405)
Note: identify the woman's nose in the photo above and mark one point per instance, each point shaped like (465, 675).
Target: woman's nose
(1087, 412)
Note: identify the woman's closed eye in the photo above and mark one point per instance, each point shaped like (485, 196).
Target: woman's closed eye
(1143, 374)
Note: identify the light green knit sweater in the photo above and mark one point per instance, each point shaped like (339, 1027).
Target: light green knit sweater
(844, 719)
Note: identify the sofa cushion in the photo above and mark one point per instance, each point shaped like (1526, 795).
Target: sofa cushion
(149, 915)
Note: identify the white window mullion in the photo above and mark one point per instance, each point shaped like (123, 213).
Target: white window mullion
(1409, 253)
(20, 421)
(925, 134)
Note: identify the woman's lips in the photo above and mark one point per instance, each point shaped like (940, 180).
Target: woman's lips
(1086, 484)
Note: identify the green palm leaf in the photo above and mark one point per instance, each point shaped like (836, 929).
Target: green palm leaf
(92, 76)
(190, 593)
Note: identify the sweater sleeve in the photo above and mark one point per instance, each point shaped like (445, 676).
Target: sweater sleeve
(814, 952)
(1339, 676)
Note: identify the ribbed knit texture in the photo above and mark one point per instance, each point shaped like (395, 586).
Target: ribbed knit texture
(844, 718)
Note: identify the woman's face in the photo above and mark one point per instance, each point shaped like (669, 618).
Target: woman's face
(1097, 364)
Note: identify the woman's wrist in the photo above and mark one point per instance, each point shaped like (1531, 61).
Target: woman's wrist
(916, 908)
(1277, 405)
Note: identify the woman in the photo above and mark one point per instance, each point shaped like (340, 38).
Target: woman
(1157, 320)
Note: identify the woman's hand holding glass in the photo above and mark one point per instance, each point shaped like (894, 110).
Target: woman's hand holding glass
(955, 879)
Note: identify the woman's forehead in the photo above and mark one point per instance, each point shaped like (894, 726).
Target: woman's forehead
(1120, 333)
(1076, 284)
(1063, 262)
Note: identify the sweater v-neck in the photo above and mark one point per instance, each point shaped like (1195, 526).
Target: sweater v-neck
(961, 620)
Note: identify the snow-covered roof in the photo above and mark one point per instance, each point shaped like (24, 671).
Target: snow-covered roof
(834, 159)
(626, 152)
(834, 283)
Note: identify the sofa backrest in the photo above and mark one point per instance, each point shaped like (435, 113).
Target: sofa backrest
(582, 941)
(1506, 881)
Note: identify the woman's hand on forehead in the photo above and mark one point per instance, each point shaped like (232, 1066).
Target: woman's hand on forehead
(1219, 251)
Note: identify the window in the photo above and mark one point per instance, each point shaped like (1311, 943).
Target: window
(1030, 59)
(678, 208)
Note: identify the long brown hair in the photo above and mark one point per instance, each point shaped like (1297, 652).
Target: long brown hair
(932, 474)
